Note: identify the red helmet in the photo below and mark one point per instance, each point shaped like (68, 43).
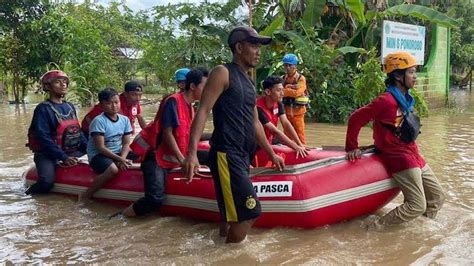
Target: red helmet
(52, 75)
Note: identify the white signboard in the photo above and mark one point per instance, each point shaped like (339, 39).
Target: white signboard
(403, 37)
(273, 189)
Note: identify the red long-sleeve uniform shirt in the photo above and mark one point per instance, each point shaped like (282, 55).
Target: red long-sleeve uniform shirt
(396, 154)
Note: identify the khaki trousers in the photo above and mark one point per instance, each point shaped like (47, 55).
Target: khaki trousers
(422, 195)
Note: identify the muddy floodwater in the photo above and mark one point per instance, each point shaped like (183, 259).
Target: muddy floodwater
(55, 229)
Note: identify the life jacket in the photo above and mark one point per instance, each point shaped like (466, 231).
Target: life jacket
(86, 121)
(271, 114)
(298, 101)
(146, 140)
(129, 110)
(68, 132)
(126, 110)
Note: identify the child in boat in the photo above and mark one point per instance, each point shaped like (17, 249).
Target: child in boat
(129, 107)
(392, 113)
(54, 135)
(169, 133)
(270, 111)
(109, 140)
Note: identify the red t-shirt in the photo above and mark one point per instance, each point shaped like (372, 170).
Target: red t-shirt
(396, 154)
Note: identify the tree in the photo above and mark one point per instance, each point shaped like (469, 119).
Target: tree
(19, 60)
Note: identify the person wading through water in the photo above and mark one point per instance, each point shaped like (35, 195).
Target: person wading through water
(395, 130)
(231, 94)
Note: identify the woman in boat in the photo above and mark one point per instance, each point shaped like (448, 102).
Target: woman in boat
(163, 144)
(109, 140)
(54, 134)
(395, 130)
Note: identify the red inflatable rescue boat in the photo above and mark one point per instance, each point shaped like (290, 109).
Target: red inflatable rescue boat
(320, 189)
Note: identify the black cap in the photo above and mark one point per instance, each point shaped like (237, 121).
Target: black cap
(247, 34)
(133, 85)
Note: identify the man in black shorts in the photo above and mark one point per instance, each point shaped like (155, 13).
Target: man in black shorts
(231, 94)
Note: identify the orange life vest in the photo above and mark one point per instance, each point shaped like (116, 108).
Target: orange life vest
(271, 114)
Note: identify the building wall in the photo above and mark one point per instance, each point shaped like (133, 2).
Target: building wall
(433, 80)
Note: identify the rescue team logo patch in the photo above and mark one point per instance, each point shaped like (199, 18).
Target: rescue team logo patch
(251, 203)
(273, 189)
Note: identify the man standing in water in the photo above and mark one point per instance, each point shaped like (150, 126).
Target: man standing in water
(231, 94)
(295, 95)
(395, 130)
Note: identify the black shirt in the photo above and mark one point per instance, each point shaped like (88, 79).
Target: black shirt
(233, 115)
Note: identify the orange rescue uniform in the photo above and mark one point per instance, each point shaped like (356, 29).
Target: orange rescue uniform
(295, 113)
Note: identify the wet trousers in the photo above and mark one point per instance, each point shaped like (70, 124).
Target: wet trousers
(154, 180)
(422, 194)
(46, 168)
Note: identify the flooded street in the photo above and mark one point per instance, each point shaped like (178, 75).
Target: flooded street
(55, 229)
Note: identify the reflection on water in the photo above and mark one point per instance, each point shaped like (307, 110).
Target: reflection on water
(54, 229)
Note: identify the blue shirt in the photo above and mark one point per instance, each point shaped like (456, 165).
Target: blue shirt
(44, 125)
(169, 118)
(113, 132)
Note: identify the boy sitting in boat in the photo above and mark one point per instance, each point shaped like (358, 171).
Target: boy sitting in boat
(109, 140)
(270, 111)
(54, 134)
(129, 107)
(163, 143)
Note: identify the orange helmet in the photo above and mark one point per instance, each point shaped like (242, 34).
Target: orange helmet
(52, 75)
(398, 60)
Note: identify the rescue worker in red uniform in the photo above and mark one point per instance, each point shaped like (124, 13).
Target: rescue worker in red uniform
(163, 143)
(395, 129)
(295, 95)
(271, 110)
(54, 135)
(129, 107)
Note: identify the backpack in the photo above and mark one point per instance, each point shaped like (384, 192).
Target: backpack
(410, 127)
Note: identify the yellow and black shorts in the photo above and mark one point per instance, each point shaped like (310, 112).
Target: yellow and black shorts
(235, 194)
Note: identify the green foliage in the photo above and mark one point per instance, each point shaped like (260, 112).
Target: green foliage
(422, 12)
(420, 104)
(462, 39)
(369, 80)
(17, 58)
